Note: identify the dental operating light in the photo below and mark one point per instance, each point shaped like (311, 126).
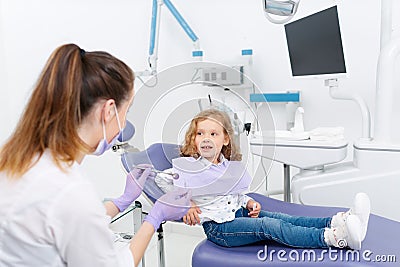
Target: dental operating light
(286, 9)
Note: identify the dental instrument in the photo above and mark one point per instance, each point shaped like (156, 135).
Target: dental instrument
(175, 176)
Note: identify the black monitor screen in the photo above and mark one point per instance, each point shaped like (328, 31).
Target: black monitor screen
(315, 44)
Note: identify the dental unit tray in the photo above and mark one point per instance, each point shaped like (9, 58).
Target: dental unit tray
(303, 154)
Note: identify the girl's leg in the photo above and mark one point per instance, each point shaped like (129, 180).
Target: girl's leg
(295, 220)
(245, 230)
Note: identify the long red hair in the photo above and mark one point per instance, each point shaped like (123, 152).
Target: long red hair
(70, 84)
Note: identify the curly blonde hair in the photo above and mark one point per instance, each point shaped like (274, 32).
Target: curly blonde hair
(230, 151)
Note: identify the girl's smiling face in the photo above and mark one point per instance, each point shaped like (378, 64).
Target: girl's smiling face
(210, 138)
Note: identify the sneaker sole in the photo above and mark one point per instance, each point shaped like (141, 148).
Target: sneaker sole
(362, 209)
(353, 226)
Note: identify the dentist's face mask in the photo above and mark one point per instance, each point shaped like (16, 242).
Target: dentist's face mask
(103, 145)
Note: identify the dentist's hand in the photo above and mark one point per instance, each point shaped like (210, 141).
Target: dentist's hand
(171, 206)
(135, 181)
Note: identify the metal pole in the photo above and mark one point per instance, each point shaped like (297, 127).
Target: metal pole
(137, 221)
(160, 247)
(286, 183)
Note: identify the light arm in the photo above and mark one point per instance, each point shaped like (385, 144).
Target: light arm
(181, 20)
(155, 28)
(154, 32)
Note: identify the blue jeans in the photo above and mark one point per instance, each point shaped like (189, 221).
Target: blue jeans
(294, 231)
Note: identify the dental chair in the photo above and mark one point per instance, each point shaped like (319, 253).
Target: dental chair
(380, 247)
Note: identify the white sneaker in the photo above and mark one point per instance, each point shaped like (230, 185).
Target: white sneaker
(354, 232)
(348, 235)
(361, 208)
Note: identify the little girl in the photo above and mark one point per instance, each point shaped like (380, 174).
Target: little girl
(232, 218)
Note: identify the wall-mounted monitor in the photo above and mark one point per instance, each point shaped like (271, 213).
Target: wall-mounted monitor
(315, 44)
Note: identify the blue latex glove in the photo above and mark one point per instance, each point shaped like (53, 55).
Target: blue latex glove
(171, 206)
(134, 185)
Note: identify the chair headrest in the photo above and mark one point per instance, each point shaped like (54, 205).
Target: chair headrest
(127, 133)
(160, 155)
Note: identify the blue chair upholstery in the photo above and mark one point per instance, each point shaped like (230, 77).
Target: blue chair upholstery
(383, 237)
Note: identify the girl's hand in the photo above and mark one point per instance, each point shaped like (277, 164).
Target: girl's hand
(254, 208)
(192, 216)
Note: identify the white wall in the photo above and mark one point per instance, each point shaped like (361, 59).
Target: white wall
(4, 103)
(31, 30)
